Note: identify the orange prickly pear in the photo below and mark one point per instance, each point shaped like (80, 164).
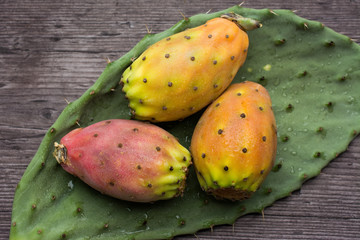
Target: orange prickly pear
(126, 159)
(234, 142)
(181, 74)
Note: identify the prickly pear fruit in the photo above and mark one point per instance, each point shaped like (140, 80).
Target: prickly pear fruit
(126, 159)
(234, 142)
(181, 74)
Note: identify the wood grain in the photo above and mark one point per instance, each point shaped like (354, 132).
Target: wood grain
(54, 50)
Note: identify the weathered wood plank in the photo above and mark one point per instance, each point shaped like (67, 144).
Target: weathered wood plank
(50, 51)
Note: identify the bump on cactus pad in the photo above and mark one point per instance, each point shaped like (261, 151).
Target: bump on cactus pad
(312, 75)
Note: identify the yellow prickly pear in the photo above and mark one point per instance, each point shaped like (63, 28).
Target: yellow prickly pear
(234, 142)
(181, 74)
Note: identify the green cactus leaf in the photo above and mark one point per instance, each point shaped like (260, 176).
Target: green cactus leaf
(312, 74)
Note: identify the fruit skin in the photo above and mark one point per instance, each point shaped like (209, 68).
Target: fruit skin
(181, 74)
(126, 159)
(234, 142)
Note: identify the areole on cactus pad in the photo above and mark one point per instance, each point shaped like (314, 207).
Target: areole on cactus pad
(312, 76)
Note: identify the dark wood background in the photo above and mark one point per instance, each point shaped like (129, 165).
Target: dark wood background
(52, 50)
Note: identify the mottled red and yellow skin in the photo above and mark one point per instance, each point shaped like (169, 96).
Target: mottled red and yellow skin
(181, 74)
(234, 142)
(126, 159)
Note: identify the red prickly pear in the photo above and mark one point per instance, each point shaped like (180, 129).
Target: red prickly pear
(126, 159)
(234, 142)
(181, 74)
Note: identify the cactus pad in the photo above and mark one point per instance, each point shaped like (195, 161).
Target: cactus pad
(312, 75)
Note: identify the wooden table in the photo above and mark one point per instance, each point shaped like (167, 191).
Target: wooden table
(55, 50)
